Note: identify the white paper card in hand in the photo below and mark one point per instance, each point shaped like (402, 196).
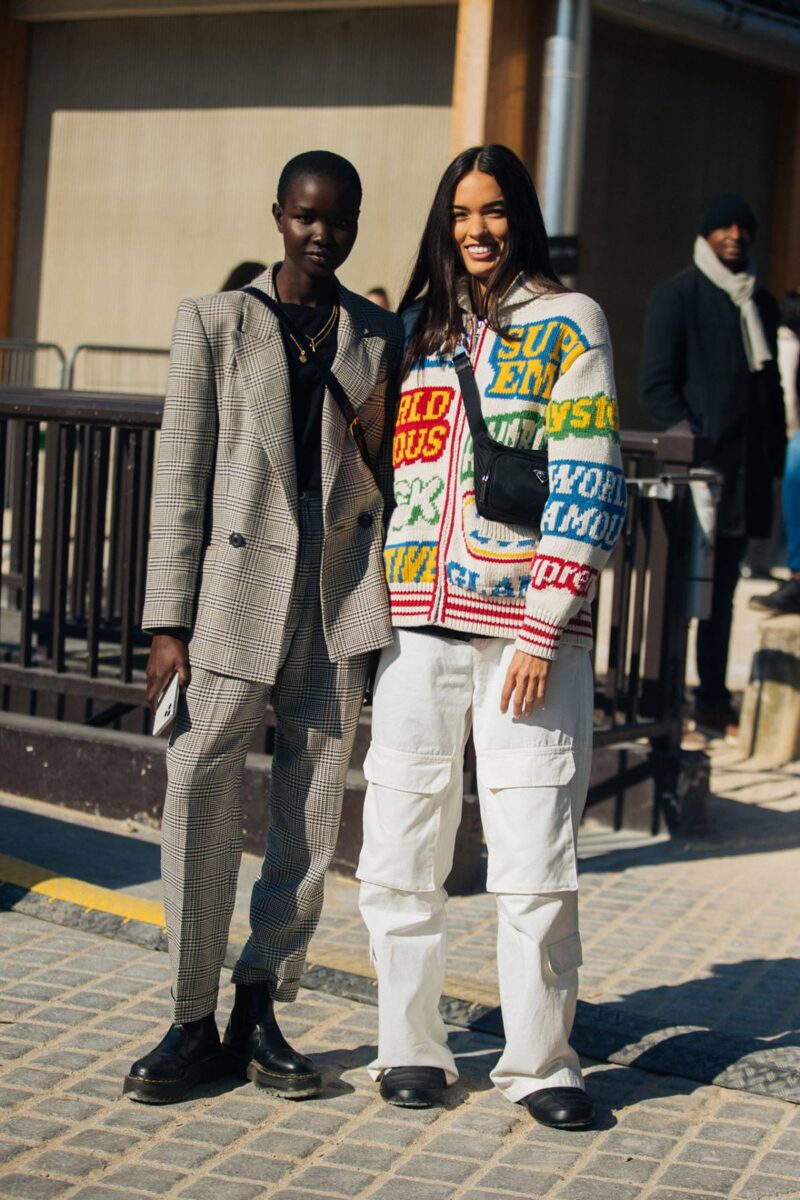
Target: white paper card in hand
(167, 707)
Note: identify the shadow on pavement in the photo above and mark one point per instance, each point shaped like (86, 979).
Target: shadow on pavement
(77, 851)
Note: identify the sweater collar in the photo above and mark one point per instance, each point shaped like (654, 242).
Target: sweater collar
(521, 291)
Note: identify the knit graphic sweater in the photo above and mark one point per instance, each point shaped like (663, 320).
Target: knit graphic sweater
(548, 382)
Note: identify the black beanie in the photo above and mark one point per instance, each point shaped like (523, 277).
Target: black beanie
(728, 209)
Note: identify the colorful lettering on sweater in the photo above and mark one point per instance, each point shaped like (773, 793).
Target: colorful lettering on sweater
(586, 417)
(421, 428)
(529, 360)
(549, 383)
(573, 577)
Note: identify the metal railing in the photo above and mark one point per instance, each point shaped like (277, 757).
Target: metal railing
(72, 646)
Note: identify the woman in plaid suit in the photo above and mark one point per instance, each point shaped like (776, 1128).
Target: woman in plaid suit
(265, 573)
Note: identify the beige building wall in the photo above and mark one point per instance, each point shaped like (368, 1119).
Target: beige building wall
(153, 149)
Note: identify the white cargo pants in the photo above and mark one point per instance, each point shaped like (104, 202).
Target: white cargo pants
(533, 775)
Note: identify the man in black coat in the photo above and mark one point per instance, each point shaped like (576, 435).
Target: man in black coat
(710, 358)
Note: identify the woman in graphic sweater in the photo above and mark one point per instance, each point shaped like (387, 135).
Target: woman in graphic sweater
(492, 633)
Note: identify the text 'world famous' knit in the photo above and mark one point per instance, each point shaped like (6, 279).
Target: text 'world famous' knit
(547, 383)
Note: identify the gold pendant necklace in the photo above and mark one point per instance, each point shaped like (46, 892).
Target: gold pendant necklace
(318, 338)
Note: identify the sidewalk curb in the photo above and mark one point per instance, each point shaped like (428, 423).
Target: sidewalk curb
(606, 1032)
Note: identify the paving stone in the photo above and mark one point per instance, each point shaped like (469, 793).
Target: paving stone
(617, 1166)
(285, 1145)
(103, 1141)
(407, 1189)
(768, 1187)
(98, 1191)
(699, 1179)
(248, 1112)
(313, 1120)
(10, 1050)
(599, 1189)
(32, 1187)
(517, 1180)
(716, 1155)
(333, 1181)
(737, 1135)
(138, 1116)
(9, 1150)
(534, 1154)
(384, 1133)
(438, 1168)
(99, 1086)
(788, 1141)
(140, 1177)
(67, 1060)
(210, 1189)
(63, 1162)
(33, 1129)
(368, 1158)
(258, 1167)
(775, 1163)
(459, 1146)
(212, 1133)
(95, 1001)
(638, 1144)
(67, 1108)
(11, 1096)
(183, 1155)
(749, 1111)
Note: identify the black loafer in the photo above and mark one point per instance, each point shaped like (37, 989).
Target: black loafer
(257, 1049)
(561, 1107)
(189, 1054)
(413, 1087)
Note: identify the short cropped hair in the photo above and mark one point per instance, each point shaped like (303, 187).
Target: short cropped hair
(319, 162)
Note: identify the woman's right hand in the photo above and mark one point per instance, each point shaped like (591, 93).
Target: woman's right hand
(167, 655)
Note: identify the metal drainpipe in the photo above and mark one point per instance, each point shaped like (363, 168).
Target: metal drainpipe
(563, 121)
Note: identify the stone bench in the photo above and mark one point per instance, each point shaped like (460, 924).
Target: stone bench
(769, 728)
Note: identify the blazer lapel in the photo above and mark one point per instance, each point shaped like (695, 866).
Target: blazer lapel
(261, 359)
(356, 366)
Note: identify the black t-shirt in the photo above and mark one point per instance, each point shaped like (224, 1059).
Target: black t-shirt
(308, 391)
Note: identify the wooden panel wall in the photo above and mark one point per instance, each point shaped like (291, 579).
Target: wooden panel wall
(14, 38)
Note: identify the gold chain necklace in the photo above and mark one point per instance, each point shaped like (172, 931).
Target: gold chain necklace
(318, 338)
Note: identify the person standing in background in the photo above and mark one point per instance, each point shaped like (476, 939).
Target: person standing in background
(709, 358)
(786, 598)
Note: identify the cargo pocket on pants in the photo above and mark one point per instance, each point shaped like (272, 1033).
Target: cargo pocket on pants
(564, 955)
(526, 808)
(402, 817)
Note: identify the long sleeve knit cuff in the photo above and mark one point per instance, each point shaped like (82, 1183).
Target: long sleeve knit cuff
(539, 637)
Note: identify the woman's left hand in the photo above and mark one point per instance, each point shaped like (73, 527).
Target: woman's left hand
(526, 681)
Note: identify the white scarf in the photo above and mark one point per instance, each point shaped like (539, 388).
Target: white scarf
(740, 288)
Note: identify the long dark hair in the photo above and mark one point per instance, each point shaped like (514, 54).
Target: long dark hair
(439, 267)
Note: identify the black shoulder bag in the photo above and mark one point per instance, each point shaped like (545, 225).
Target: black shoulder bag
(350, 415)
(511, 484)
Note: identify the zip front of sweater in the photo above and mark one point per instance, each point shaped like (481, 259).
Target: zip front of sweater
(547, 384)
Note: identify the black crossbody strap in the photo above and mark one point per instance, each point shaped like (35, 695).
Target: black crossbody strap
(329, 379)
(469, 392)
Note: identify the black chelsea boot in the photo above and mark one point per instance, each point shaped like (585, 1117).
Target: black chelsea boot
(189, 1054)
(257, 1049)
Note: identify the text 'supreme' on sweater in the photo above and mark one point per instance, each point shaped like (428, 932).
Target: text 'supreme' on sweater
(548, 382)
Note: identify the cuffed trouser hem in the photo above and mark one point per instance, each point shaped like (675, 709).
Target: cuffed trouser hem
(193, 1008)
(283, 990)
(518, 1088)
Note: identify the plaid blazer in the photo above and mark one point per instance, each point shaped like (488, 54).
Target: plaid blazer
(224, 533)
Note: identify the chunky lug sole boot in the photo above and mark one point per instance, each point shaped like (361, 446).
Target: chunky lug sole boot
(188, 1055)
(257, 1050)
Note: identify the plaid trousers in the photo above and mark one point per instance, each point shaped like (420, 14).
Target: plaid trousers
(317, 705)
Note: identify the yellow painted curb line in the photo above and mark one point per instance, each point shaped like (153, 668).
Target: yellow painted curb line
(87, 895)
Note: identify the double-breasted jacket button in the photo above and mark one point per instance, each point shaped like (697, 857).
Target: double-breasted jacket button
(236, 539)
(365, 520)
